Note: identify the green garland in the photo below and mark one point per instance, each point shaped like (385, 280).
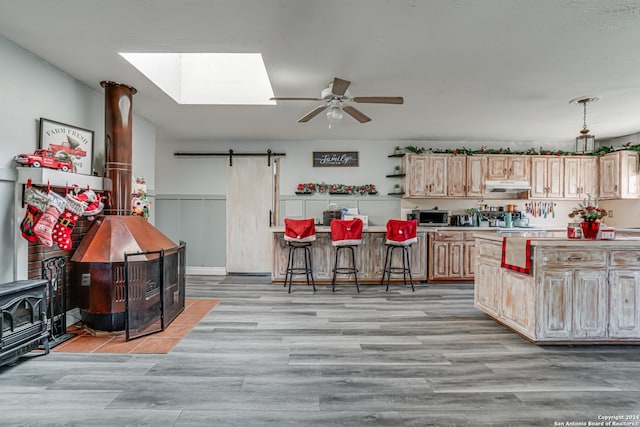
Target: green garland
(529, 152)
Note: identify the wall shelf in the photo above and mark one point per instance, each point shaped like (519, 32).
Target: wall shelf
(56, 178)
(396, 155)
(397, 175)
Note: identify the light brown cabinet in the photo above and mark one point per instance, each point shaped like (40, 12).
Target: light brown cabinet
(451, 256)
(547, 176)
(475, 176)
(457, 176)
(619, 175)
(511, 167)
(426, 175)
(581, 177)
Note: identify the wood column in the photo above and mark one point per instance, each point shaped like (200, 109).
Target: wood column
(118, 146)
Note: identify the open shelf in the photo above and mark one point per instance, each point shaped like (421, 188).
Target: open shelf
(397, 175)
(396, 194)
(397, 155)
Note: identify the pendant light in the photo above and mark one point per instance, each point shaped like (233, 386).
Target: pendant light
(585, 143)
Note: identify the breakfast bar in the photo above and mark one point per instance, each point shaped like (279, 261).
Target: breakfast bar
(555, 290)
(369, 256)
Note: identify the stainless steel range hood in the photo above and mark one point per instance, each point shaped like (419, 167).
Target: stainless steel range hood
(506, 186)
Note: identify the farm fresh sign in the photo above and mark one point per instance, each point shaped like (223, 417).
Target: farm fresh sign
(335, 158)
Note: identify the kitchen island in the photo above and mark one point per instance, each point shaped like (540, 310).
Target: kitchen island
(571, 291)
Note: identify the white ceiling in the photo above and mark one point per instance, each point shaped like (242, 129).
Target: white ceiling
(494, 70)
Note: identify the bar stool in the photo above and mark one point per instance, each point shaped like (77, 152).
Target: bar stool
(400, 235)
(346, 234)
(299, 235)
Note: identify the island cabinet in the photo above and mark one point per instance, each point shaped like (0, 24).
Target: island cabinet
(451, 256)
(369, 257)
(508, 167)
(619, 175)
(581, 177)
(577, 292)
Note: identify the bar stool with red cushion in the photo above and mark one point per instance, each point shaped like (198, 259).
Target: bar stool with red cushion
(400, 235)
(299, 235)
(346, 234)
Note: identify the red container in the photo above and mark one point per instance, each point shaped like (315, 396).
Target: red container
(590, 229)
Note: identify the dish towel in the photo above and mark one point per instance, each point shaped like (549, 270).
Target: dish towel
(516, 254)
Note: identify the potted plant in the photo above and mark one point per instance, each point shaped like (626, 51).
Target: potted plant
(397, 150)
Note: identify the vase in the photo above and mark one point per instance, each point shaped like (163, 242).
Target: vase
(590, 228)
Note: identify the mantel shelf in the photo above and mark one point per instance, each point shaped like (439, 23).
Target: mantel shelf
(57, 178)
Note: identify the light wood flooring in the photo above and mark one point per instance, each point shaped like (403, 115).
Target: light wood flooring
(263, 357)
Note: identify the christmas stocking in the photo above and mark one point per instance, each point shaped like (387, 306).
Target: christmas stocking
(73, 208)
(37, 202)
(44, 227)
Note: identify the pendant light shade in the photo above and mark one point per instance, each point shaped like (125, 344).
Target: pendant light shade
(585, 143)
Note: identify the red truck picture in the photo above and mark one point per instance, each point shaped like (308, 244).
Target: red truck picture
(68, 148)
(44, 158)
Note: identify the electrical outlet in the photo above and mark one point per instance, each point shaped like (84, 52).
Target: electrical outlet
(610, 213)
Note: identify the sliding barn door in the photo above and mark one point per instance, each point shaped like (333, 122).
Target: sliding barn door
(251, 197)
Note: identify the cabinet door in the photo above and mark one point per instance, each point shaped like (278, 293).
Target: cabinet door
(476, 166)
(456, 260)
(590, 304)
(519, 167)
(437, 175)
(517, 302)
(418, 256)
(554, 312)
(457, 176)
(497, 167)
(609, 173)
(572, 177)
(624, 307)
(589, 177)
(487, 288)
(539, 186)
(438, 260)
(555, 177)
(628, 174)
(416, 175)
(469, 260)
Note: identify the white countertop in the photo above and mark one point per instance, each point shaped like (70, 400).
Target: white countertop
(559, 238)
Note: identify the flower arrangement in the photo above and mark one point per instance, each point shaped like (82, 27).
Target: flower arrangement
(588, 210)
(310, 188)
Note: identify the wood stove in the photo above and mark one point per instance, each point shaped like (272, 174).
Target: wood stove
(23, 318)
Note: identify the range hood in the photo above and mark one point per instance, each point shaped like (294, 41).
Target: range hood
(506, 186)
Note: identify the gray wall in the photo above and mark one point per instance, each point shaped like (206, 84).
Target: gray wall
(31, 89)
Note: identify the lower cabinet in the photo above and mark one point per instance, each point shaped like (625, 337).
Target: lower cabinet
(451, 256)
(624, 295)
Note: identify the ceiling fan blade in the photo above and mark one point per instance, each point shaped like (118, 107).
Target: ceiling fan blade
(379, 99)
(356, 114)
(339, 86)
(312, 114)
(284, 98)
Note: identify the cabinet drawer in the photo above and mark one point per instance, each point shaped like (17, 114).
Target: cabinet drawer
(489, 250)
(628, 258)
(447, 236)
(468, 235)
(573, 258)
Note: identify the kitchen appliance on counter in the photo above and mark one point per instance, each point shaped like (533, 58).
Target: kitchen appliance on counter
(462, 220)
(430, 217)
(497, 218)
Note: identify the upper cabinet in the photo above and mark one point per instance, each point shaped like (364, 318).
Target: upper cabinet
(511, 167)
(619, 175)
(547, 175)
(581, 177)
(426, 175)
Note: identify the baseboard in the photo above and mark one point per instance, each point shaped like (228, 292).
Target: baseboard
(207, 271)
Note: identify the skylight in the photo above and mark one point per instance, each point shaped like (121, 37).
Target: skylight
(207, 78)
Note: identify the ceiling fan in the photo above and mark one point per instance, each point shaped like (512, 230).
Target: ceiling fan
(337, 99)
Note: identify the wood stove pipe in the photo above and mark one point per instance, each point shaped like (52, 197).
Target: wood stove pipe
(118, 146)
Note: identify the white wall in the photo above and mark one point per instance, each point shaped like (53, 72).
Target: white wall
(31, 89)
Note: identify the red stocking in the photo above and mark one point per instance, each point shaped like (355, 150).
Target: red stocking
(44, 227)
(37, 202)
(63, 228)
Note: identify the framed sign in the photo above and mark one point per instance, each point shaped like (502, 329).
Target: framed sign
(68, 142)
(335, 158)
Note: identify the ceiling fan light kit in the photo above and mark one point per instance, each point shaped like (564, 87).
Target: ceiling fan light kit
(585, 143)
(338, 101)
